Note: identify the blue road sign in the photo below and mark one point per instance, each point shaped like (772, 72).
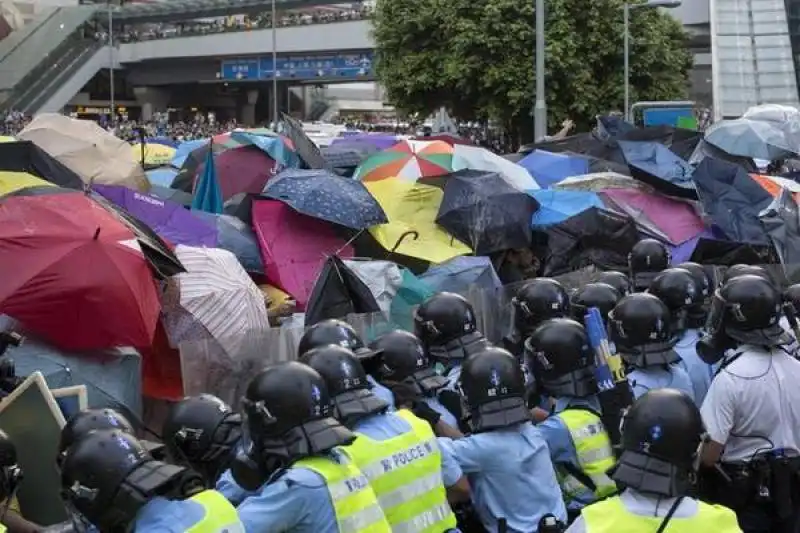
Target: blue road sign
(299, 67)
(239, 69)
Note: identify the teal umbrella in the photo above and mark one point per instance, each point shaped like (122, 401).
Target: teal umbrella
(208, 195)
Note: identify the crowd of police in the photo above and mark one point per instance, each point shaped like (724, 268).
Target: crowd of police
(440, 431)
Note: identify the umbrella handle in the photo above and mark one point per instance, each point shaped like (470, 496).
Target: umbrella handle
(412, 233)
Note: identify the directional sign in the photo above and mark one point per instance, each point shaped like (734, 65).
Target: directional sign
(239, 69)
(299, 67)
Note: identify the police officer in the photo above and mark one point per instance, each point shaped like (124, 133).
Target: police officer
(417, 470)
(111, 481)
(562, 362)
(661, 435)
(84, 422)
(745, 270)
(648, 257)
(538, 300)
(512, 477)
(299, 481)
(752, 408)
(616, 279)
(792, 296)
(10, 477)
(406, 371)
(600, 295)
(641, 328)
(202, 432)
(333, 331)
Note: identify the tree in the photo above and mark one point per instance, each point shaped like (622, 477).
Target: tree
(477, 58)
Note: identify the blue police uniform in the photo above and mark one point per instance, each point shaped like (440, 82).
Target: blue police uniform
(228, 487)
(700, 372)
(162, 515)
(511, 476)
(660, 377)
(447, 417)
(381, 392)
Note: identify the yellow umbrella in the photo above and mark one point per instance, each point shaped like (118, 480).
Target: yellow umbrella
(411, 210)
(14, 181)
(154, 154)
(7, 139)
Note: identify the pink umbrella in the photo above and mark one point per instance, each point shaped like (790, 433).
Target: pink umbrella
(676, 219)
(294, 247)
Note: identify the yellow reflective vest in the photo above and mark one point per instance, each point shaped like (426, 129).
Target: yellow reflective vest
(220, 515)
(611, 516)
(354, 502)
(406, 474)
(595, 455)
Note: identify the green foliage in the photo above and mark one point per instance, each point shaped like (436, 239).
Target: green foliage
(477, 58)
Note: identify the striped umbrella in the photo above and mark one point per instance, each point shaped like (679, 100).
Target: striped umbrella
(409, 161)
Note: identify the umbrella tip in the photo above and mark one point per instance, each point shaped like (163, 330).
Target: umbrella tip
(97, 233)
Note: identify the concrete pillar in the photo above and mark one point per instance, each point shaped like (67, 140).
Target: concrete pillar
(152, 100)
(247, 111)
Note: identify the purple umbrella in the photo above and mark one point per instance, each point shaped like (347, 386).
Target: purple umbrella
(379, 141)
(683, 252)
(169, 220)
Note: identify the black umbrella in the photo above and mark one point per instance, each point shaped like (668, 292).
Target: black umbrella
(659, 167)
(781, 221)
(24, 156)
(337, 293)
(482, 210)
(705, 150)
(337, 157)
(728, 253)
(308, 151)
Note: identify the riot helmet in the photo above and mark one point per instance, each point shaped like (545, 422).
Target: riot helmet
(84, 422)
(202, 432)
(493, 386)
(640, 326)
(744, 270)
(661, 436)
(648, 257)
(561, 360)
(538, 300)
(677, 289)
(618, 280)
(404, 361)
(107, 476)
(347, 383)
(447, 326)
(10, 472)
(333, 331)
(697, 312)
(600, 295)
(792, 296)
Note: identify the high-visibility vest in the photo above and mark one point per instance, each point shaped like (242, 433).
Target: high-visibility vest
(406, 474)
(611, 516)
(354, 502)
(219, 514)
(595, 454)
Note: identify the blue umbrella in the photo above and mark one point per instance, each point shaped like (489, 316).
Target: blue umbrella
(327, 196)
(166, 141)
(184, 149)
(273, 146)
(556, 205)
(236, 237)
(752, 138)
(461, 274)
(162, 176)
(208, 195)
(658, 166)
(548, 168)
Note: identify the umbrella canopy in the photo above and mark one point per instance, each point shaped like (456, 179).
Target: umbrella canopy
(344, 157)
(705, 149)
(412, 230)
(240, 169)
(338, 292)
(326, 196)
(279, 148)
(24, 156)
(236, 237)
(732, 199)
(162, 177)
(94, 154)
(449, 138)
(548, 168)
(462, 274)
(481, 209)
(477, 158)
(166, 141)
(556, 206)
(184, 149)
(169, 220)
(173, 195)
(207, 193)
(307, 150)
(781, 222)
(373, 140)
(775, 184)
(14, 181)
(659, 167)
(677, 220)
(408, 160)
(600, 181)
(155, 154)
(294, 247)
(751, 138)
(74, 274)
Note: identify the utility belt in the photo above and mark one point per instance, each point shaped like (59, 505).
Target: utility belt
(768, 479)
(468, 522)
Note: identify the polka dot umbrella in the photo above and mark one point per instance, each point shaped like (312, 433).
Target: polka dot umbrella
(408, 160)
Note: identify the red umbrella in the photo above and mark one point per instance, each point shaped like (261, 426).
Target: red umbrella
(73, 273)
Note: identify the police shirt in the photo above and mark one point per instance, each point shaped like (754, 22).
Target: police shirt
(169, 516)
(753, 404)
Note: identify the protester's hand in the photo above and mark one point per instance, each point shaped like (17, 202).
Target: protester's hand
(568, 124)
(426, 412)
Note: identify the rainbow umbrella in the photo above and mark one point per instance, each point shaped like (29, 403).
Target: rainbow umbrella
(409, 161)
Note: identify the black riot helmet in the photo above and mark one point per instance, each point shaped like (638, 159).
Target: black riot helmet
(107, 476)
(560, 357)
(10, 472)
(202, 432)
(792, 295)
(493, 386)
(648, 257)
(641, 328)
(697, 312)
(447, 326)
(347, 383)
(404, 361)
(661, 435)
(84, 422)
(538, 300)
(333, 331)
(616, 279)
(677, 289)
(600, 295)
(744, 270)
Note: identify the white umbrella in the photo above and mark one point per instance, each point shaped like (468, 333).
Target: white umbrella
(477, 158)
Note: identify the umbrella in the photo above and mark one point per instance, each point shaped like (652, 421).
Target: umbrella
(93, 153)
(163, 176)
(169, 220)
(684, 251)
(677, 220)
(326, 196)
(775, 184)
(74, 274)
(481, 209)
(600, 181)
(184, 149)
(728, 253)
(294, 247)
(462, 274)
(732, 199)
(751, 138)
(409, 160)
(155, 154)
(239, 169)
(14, 181)
(613, 126)
(477, 158)
(705, 149)
(173, 195)
(279, 148)
(412, 230)
(236, 237)
(781, 222)
(548, 168)
(372, 140)
(307, 150)
(24, 156)
(337, 157)
(556, 206)
(659, 167)
(449, 138)
(338, 292)
(166, 141)
(207, 194)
